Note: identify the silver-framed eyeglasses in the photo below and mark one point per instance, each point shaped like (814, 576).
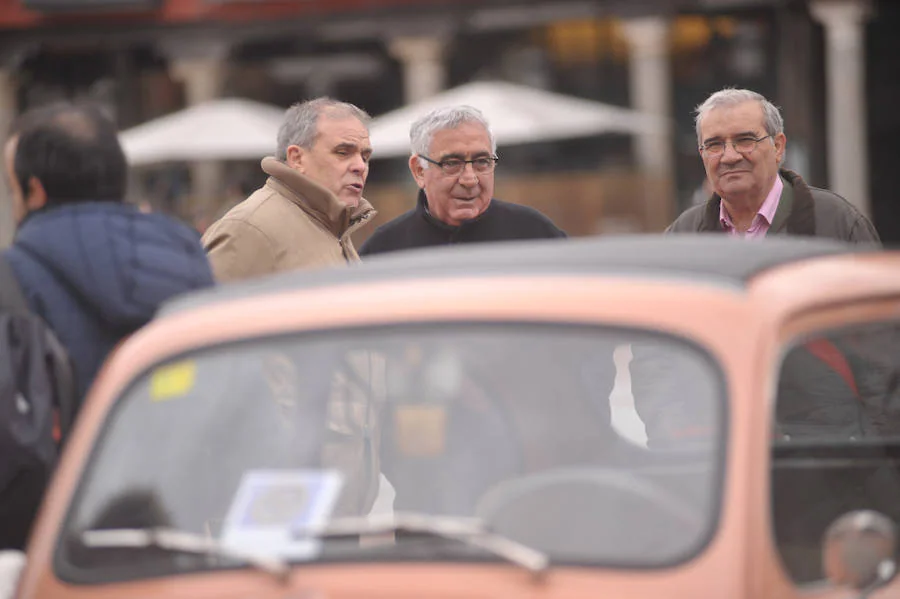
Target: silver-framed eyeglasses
(455, 166)
(741, 145)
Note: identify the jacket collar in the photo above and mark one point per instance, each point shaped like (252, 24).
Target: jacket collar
(796, 214)
(802, 219)
(74, 208)
(318, 202)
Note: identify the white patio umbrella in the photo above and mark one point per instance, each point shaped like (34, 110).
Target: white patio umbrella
(222, 129)
(517, 114)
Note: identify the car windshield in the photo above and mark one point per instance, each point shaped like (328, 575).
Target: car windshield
(530, 429)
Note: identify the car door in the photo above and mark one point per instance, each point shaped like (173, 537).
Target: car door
(835, 430)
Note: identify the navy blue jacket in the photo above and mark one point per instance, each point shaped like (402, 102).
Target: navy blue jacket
(98, 271)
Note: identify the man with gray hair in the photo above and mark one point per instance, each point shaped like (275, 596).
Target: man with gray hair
(742, 144)
(310, 205)
(302, 218)
(453, 158)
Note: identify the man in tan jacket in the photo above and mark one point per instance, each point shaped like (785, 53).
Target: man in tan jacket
(303, 218)
(305, 213)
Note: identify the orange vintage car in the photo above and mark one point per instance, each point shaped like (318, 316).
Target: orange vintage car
(637, 417)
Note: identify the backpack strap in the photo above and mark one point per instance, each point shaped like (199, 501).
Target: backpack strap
(65, 388)
(11, 298)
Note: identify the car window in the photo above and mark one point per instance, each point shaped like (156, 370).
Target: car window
(512, 424)
(836, 440)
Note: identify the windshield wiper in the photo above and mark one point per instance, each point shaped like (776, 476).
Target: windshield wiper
(186, 542)
(469, 531)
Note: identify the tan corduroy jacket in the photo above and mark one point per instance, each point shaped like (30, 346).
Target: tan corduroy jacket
(290, 223)
(293, 223)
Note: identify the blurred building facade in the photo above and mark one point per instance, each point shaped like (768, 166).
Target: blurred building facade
(830, 64)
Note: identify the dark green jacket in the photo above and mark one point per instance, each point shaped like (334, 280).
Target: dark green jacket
(802, 210)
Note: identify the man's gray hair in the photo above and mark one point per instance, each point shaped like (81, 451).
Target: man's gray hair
(421, 133)
(772, 120)
(300, 124)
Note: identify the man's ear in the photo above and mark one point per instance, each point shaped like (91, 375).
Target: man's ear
(780, 147)
(35, 195)
(295, 158)
(417, 170)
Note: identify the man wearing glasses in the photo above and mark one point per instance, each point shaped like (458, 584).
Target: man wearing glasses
(453, 160)
(742, 145)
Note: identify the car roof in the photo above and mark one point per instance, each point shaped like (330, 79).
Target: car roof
(713, 259)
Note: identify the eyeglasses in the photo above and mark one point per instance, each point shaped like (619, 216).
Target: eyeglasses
(741, 145)
(455, 166)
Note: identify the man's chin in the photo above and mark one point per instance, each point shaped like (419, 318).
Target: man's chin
(735, 188)
(351, 201)
(471, 208)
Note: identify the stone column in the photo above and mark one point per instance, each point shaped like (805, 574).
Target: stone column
(8, 111)
(424, 73)
(201, 67)
(800, 101)
(651, 93)
(844, 21)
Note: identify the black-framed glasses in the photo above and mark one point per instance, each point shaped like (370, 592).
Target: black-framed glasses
(455, 166)
(741, 145)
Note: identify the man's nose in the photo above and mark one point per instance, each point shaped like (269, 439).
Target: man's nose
(468, 177)
(358, 165)
(730, 155)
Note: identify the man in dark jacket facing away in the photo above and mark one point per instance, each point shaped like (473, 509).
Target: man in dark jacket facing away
(94, 268)
(453, 158)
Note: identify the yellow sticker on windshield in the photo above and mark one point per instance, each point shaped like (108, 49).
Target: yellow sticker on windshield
(173, 380)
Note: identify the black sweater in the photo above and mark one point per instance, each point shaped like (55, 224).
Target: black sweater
(501, 221)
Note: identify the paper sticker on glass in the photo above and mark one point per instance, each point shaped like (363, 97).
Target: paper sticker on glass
(270, 504)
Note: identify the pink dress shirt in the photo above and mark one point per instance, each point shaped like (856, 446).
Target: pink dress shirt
(763, 219)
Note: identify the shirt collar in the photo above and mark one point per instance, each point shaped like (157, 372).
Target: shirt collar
(766, 212)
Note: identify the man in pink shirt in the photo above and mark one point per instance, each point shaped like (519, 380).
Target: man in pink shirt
(762, 220)
(742, 144)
